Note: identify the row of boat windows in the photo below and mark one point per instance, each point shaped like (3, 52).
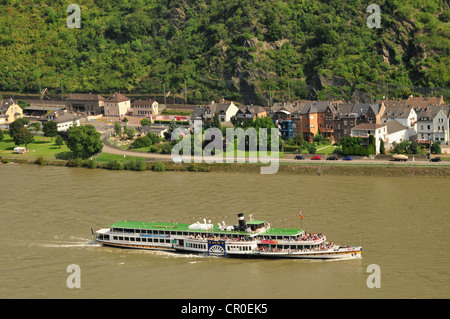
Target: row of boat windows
(143, 240)
(185, 233)
(194, 245)
(240, 248)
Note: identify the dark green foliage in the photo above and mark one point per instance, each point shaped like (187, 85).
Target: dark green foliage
(159, 167)
(140, 142)
(84, 141)
(406, 147)
(59, 141)
(15, 127)
(137, 46)
(23, 137)
(353, 146)
(436, 148)
(382, 147)
(50, 129)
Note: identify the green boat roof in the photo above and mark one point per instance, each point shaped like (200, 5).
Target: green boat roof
(215, 229)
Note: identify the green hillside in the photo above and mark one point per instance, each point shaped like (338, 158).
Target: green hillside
(244, 50)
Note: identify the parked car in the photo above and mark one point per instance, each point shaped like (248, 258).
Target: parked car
(299, 157)
(316, 158)
(435, 159)
(348, 158)
(332, 158)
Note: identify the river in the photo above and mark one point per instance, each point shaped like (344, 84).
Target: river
(46, 216)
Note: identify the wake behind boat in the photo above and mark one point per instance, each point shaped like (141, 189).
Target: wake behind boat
(254, 238)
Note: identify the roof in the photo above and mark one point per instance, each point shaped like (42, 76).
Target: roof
(431, 112)
(316, 107)
(7, 103)
(185, 227)
(144, 102)
(397, 111)
(59, 117)
(219, 107)
(395, 126)
(85, 97)
(252, 109)
(376, 108)
(415, 101)
(368, 126)
(117, 97)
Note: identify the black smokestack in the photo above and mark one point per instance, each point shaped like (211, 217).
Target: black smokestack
(242, 223)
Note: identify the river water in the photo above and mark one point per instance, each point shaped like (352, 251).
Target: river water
(46, 216)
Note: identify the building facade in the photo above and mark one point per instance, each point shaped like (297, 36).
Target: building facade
(89, 104)
(117, 105)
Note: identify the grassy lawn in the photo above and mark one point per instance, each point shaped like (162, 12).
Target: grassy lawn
(42, 146)
(320, 149)
(325, 149)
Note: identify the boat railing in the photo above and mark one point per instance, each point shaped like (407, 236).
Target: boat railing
(317, 240)
(226, 239)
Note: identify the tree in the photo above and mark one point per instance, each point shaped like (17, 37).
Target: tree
(372, 147)
(15, 127)
(172, 126)
(2, 136)
(146, 122)
(215, 121)
(436, 148)
(117, 128)
(23, 136)
(129, 132)
(36, 126)
(59, 141)
(50, 129)
(382, 148)
(84, 141)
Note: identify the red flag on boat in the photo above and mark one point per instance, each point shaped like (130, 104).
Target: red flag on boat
(300, 215)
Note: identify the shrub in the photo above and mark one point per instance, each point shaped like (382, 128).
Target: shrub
(115, 165)
(141, 142)
(135, 165)
(40, 161)
(90, 164)
(312, 149)
(159, 167)
(75, 162)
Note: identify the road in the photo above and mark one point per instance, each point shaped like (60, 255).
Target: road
(167, 157)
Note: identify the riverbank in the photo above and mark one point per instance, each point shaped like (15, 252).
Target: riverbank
(116, 162)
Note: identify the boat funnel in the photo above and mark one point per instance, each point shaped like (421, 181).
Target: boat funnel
(242, 223)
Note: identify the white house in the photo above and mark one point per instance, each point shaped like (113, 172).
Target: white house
(405, 115)
(396, 132)
(433, 124)
(63, 120)
(224, 110)
(364, 130)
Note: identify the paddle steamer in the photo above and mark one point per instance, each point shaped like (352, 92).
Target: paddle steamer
(254, 238)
